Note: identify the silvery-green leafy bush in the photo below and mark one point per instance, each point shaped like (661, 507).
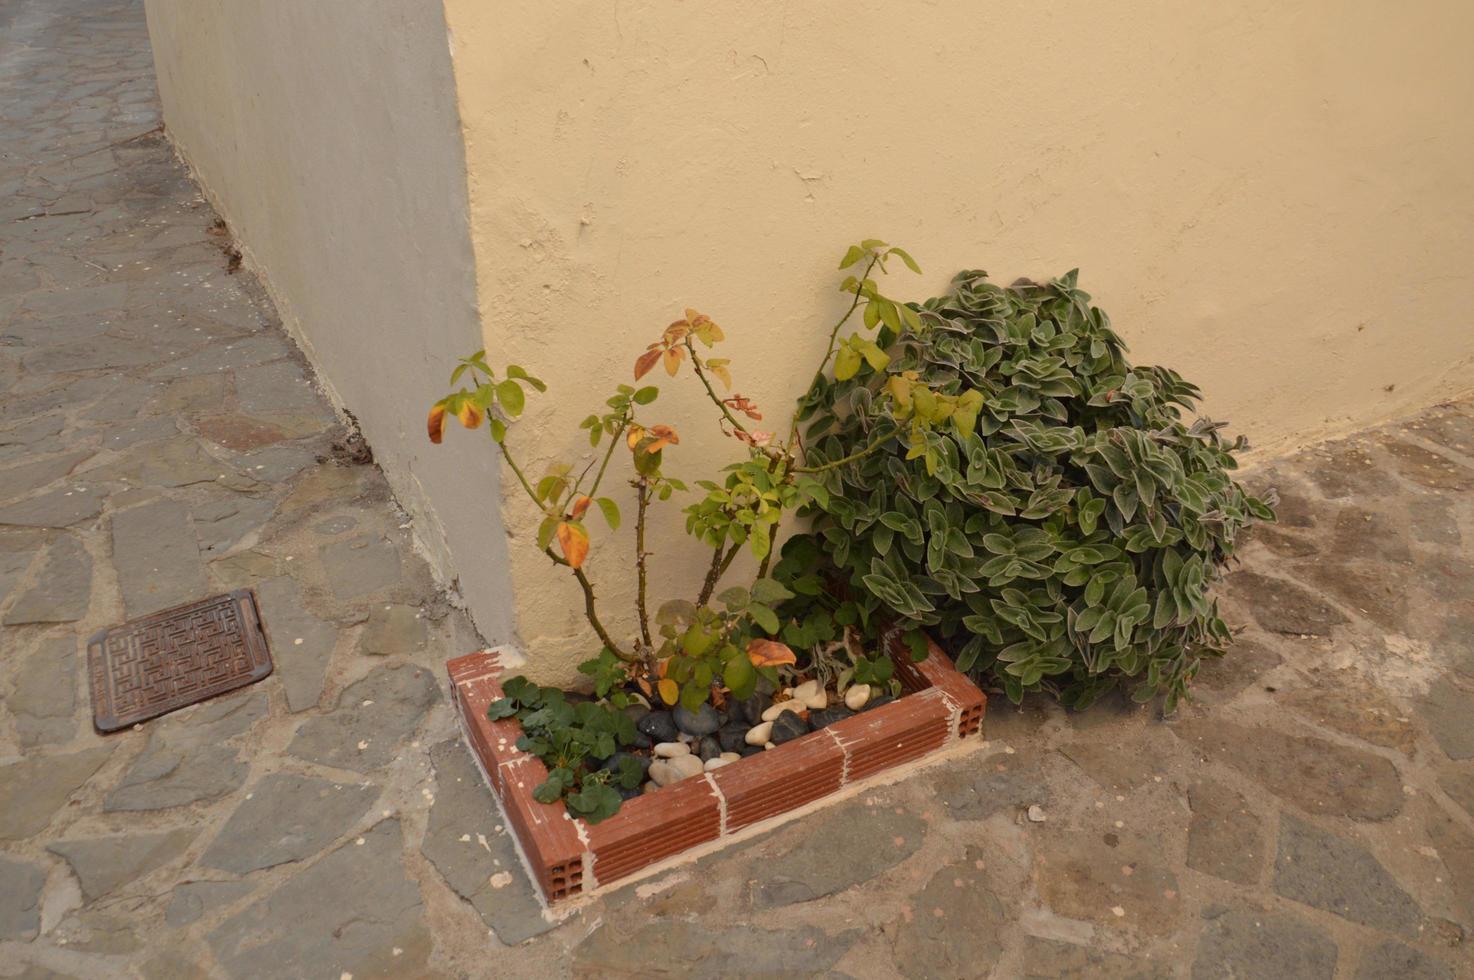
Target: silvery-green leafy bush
(1050, 513)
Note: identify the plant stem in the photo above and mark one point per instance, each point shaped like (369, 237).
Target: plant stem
(701, 373)
(642, 488)
(583, 580)
(719, 564)
(588, 609)
(833, 335)
(858, 454)
(613, 441)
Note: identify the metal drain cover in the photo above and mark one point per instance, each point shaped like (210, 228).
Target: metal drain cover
(175, 658)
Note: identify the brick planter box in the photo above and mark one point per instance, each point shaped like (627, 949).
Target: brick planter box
(568, 857)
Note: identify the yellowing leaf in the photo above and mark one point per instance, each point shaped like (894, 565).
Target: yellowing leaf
(718, 367)
(580, 505)
(846, 364)
(769, 653)
(436, 423)
(574, 541)
(673, 360)
(670, 691)
(469, 414)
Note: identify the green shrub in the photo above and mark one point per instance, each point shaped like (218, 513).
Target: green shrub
(1024, 493)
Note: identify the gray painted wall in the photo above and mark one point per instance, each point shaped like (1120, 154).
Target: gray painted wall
(328, 137)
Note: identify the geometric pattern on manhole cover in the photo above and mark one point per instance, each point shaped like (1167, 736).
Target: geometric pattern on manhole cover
(157, 664)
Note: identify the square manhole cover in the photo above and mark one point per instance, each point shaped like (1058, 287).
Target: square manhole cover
(174, 658)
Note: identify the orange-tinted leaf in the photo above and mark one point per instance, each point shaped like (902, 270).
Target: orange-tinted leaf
(580, 504)
(663, 435)
(673, 360)
(469, 414)
(670, 691)
(436, 424)
(575, 543)
(769, 653)
(676, 332)
(645, 362)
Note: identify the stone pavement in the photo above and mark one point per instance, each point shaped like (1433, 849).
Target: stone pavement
(1310, 815)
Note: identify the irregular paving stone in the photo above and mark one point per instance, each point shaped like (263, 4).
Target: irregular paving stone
(44, 697)
(35, 788)
(186, 760)
(282, 386)
(474, 852)
(1224, 838)
(1049, 959)
(30, 476)
(848, 845)
(1365, 534)
(103, 864)
(193, 899)
(157, 558)
(1313, 774)
(996, 784)
(176, 463)
(1241, 666)
(1427, 468)
(360, 565)
(1247, 944)
(1332, 874)
(1394, 961)
(17, 551)
(1378, 594)
(1349, 471)
(31, 437)
(227, 357)
(956, 924)
(1447, 710)
(276, 464)
(286, 818)
(1460, 788)
(700, 952)
(1347, 702)
(1280, 606)
(371, 716)
(1433, 522)
(63, 587)
(136, 431)
(223, 520)
(1123, 763)
(1455, 847)
(20, 898)
(373, 924)
(59, 508)
(300, 642)
(393, 628)
(1078, 878)
(240, 432)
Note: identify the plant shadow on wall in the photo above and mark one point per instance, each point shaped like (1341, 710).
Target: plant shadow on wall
(985, 466)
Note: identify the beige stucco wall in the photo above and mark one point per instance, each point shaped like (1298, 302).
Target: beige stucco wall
(1274, 198)
(327, 135)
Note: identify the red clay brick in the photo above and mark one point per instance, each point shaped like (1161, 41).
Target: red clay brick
(655, 826)
(781, 779)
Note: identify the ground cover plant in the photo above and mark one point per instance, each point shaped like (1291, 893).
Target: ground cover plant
(1050, 512)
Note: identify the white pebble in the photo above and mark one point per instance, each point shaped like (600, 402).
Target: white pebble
(730, 756)
(717, 763)
(685, 765)
(760, 734)
(670, 750)
(772, 713)
(857, 696)
(1036, 814)
(806, 690)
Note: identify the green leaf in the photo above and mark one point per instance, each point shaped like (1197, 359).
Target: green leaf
(509, 395)
(770, 592)
(646, 395)
(846, 364)
(853, 255)
(611, 512)
(764, 617)
(906, 258)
